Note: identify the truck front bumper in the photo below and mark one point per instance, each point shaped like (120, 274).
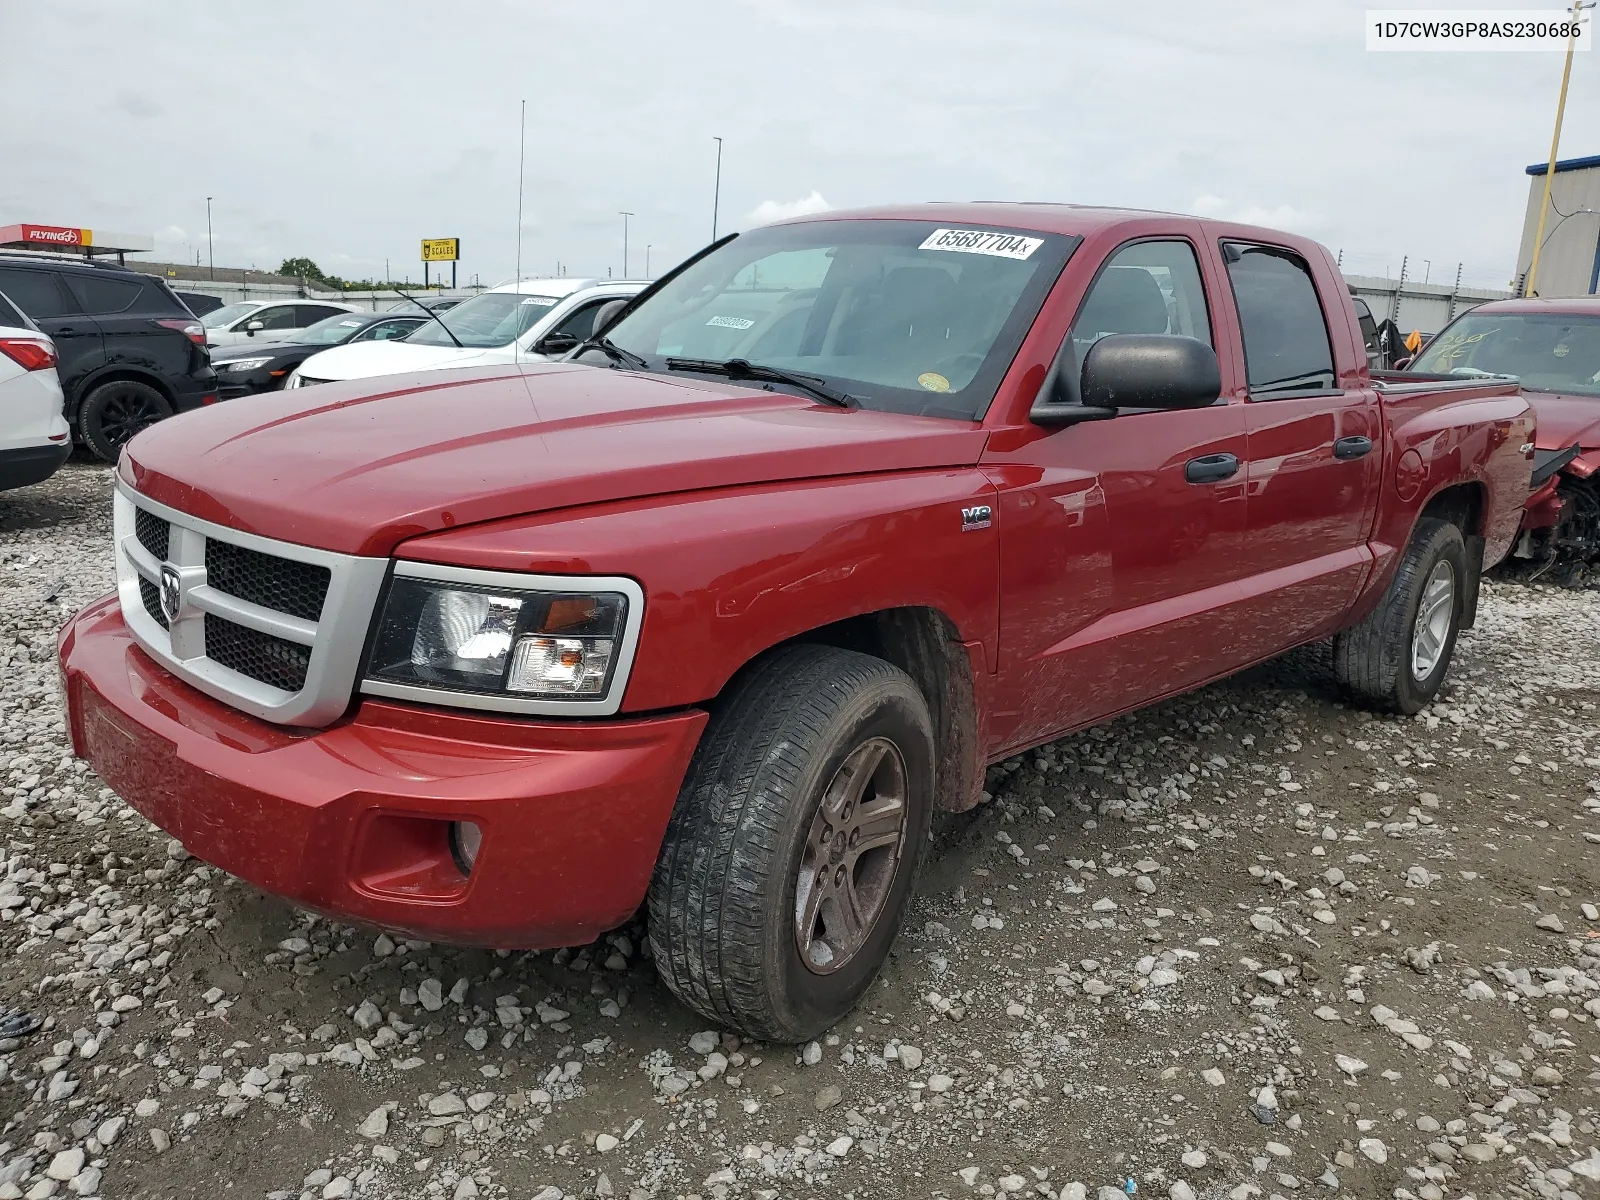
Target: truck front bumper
(354, 820)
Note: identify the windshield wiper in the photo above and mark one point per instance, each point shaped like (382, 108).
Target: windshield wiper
(624, 358)
(436, 319)
(739, 368)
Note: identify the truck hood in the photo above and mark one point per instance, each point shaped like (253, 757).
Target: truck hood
(367, 359)
(357, 469)
(1563, 421)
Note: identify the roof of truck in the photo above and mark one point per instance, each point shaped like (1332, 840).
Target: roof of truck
(1041, 216)
(1582, 305)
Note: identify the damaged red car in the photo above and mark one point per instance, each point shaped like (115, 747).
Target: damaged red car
(1553, 348)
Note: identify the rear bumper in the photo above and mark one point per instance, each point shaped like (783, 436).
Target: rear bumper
(353, 820)
(24, 465)
(194, 391)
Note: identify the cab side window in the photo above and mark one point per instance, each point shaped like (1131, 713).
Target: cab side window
(1286, 344)
(280, 316)
(580, 322)
(1145, 287)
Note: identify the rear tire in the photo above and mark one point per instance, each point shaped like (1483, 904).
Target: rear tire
(1397, 658)
(111, 414)
(792, 796)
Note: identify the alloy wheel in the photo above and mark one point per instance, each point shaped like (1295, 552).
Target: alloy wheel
(851, 856)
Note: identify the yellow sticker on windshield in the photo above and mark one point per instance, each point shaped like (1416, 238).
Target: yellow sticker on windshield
(1562, 350)
(934, 381)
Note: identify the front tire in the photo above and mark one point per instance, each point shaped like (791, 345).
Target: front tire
(1397, 658)
(791, 855)
(111, 414)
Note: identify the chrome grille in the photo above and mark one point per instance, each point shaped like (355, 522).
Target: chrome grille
(281, 584)
(273, 628)
(150, 594)
(153, 533)
(272, 660)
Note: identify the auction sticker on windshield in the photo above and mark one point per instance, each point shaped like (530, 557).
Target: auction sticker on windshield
(541, 301)
(979, 241)
(731, 322)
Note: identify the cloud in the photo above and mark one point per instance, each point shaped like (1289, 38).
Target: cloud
(769, 211)
(1283, 216)
(136, 104)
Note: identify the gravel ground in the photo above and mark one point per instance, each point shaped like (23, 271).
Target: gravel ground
(1249, 943)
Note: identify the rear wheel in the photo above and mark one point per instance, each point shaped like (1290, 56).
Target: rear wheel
(1397, 658)
(791, 855)
(115, 411)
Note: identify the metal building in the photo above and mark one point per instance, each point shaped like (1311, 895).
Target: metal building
(1569, 264)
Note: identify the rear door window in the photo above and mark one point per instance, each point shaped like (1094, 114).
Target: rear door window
(105, 296)
(310, 314)
(1286, 345)
(37, 293)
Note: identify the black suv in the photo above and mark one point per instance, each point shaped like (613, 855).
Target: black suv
(129, 353)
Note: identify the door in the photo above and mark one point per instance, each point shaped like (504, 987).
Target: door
(571, 329)
(41, 294)
(1120, 539)
(307, 315)
(1315, 449)
(126, 311)
(277, 323)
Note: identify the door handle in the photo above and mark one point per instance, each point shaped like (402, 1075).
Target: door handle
(1352, 447)
(1209, 468)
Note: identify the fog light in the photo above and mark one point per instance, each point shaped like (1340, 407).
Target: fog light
(465, 840)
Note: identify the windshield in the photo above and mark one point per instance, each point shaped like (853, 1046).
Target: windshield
(492, 319)
(905, 316)
(330, 331)
(1548, 352)
(218, 317)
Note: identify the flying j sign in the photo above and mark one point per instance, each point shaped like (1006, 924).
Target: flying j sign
(45, 235)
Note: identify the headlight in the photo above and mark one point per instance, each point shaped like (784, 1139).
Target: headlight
(491, 639)
(246, 364)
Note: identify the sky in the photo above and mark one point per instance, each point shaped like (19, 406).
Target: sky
(348, 130)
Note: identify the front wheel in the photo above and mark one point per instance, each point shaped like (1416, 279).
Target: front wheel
(1397, 658)
(791, 855)
(115, 411)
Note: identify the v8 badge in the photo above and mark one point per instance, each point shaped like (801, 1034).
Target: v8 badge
(976, 516)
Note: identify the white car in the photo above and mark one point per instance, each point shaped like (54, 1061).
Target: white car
(533, 321)
(34, 436)
(269, 320)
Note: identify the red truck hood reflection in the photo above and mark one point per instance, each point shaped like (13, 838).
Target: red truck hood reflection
(345, 467)
(1562, 421)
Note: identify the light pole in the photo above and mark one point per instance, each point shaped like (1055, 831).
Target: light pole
(624, 216)
(1578, 7)
(716, 196)
(211, 252)
(647, 260)
(522, 152)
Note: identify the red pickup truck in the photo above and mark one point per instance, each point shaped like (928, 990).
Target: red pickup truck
(715, 614)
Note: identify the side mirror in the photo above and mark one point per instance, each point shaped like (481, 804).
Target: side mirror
(555, 343)
(1150, 370)
(251, 328)
(607, 314)
(1132, 370)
